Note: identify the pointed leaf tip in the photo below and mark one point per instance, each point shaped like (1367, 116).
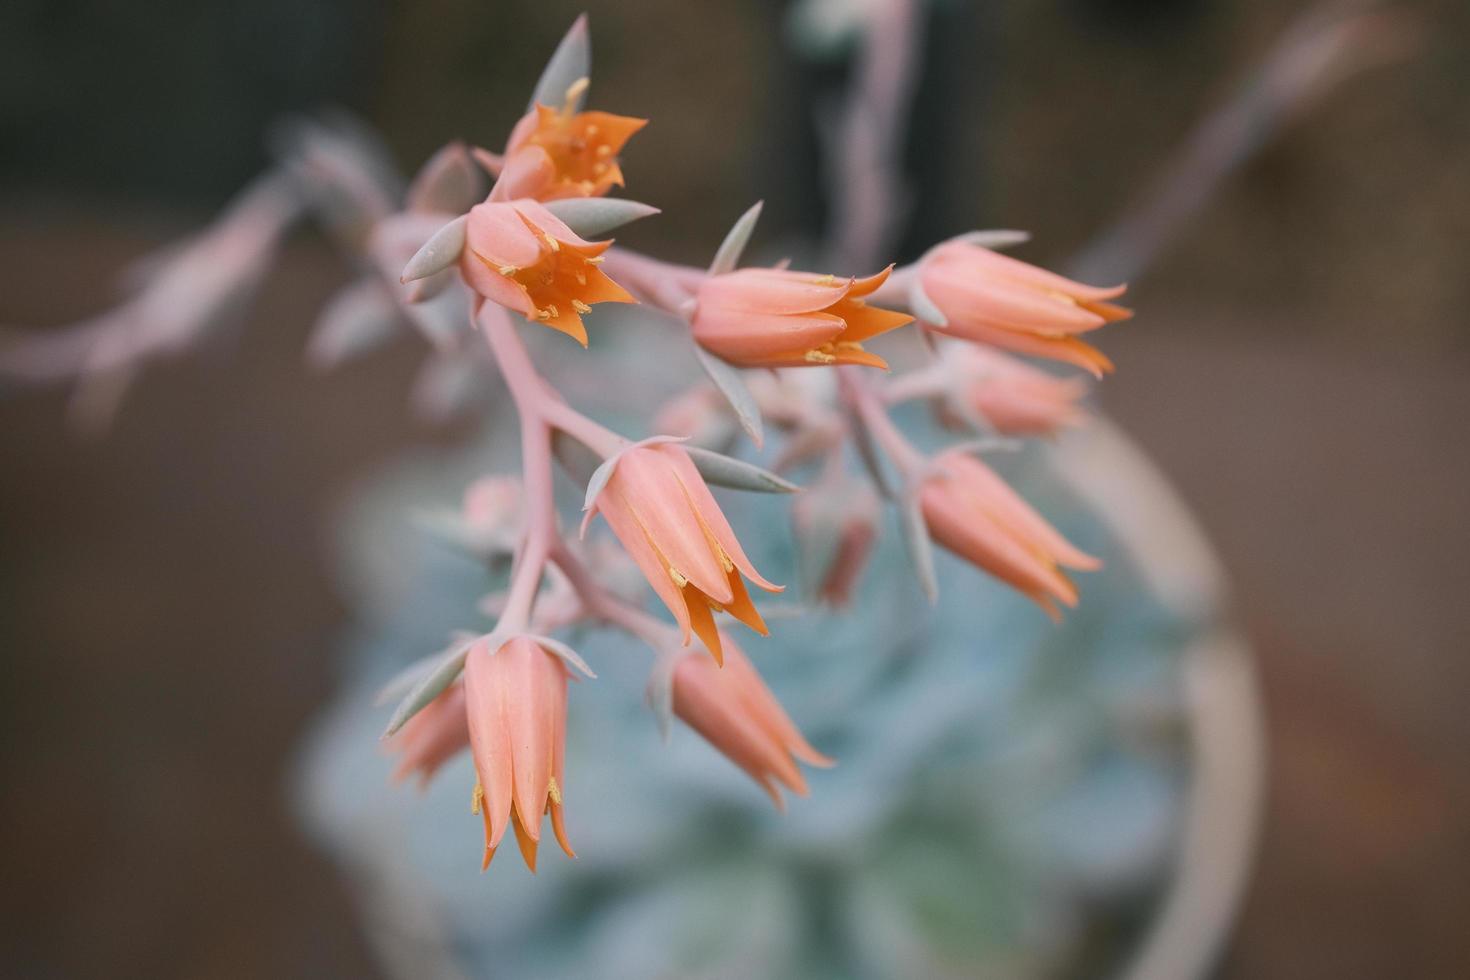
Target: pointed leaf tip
(727, 258)
(737, 474)
(572, 60)
(592, 217)
(727, 378)
(440, 252)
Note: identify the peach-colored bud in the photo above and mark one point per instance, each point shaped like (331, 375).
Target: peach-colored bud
(838, 522)
(737, 714)
(516, 703)
(990, 298)
(778, 318)
(1014, 397)
(432, 737)
(521, 256)
(974, 514)
(666, 518)
(557, 153)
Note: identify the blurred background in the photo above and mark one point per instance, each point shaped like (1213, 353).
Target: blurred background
(1298, 367)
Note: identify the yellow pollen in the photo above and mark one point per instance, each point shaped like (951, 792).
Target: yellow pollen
(581, 278)
(679, 580)
(827, 280)
(507, 270)
(552, 312)
(591, 130)
(592, 259)
(551, 243)
(817, 357)
(477, 798)
(599, 169)
(554, 791)
(580, 306)
(544, 314)
(586, 185)
(725, 562)
(603, 150)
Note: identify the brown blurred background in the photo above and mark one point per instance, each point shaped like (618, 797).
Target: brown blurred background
(1299, 367)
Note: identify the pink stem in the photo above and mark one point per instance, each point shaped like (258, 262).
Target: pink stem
(865, 401)
(602, 604)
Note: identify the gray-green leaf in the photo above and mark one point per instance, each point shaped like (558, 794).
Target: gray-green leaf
(728, 256)
(737, 474)
(727, 378)
(916, 542)
(591, 217)
(438, 253)
(571, 61)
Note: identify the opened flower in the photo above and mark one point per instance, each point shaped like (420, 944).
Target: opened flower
(972, 512)
(991, 298)
(520, 255)
(516, 703)
(737, 714)
(557, 153)
(777, 318)
(666, 518)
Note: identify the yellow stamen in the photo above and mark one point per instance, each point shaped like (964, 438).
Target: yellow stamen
(574, 94)
(593, 259)
(817, 357)
(679, 579)
(580, 306)
(507, 270)
(477, 798)
(554, 791)
(551, 243)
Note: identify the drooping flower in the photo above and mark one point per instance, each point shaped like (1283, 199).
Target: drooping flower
(972, 512)
(659, 507)
(558, 153)
(779, 318)
(520, 255)
(994, 299)
(836, 525)
(432, 737)
(516, 704)
(1014, 397)
(736, 713)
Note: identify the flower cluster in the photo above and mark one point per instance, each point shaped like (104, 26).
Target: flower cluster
(476, 269)
(533, 250)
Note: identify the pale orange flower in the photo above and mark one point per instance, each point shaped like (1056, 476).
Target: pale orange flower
(778, 318)
(557, 153)
(972, 512)
(668, 521)
(991, 298)
(521, 256)
(737, 714)
(1014, 397)
(432, 737)
(516, 703)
